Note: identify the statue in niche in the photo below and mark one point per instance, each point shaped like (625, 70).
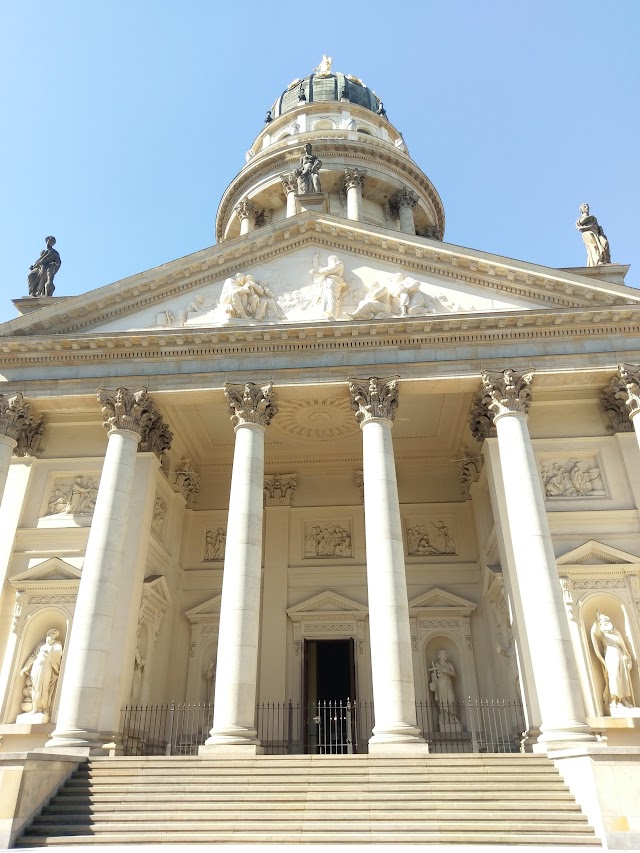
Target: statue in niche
(211, 680)
(375, 305)
(330, 541)
(331, 285)
(139, 664)
(215, 542)
(40, 278)
(308, 172)
(243, 297)
(42, 669)
(593, 237)
(617, 663)
(443, 674)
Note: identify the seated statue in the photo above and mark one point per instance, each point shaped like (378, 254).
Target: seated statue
(377, 303)
(40, 278)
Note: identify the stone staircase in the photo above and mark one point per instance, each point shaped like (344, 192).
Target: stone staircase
(438, 799)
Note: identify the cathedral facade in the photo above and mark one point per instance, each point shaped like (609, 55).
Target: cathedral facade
(331, 459)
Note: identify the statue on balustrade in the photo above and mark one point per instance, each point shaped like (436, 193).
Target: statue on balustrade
(42, 669)
(442, 675)
(40, 278)
(307, 173)
(617, 663)
(593, 237)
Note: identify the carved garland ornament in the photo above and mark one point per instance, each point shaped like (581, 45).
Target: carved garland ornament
(374, 398)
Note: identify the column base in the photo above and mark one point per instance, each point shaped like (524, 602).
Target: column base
(399, 734)
(409, 749)
(553, 739)
(232, 736)
(81, 742)
(222, 750)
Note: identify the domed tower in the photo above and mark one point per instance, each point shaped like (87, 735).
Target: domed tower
(327, 145)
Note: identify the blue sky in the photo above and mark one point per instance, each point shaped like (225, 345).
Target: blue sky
(125, 121)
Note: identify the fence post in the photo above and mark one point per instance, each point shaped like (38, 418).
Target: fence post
(172, 710)
(475, 741)
(349, 736)
(289, 727)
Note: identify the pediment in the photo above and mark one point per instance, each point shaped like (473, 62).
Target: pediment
(440, 599)
(594, 553)
(156, 589)
(186, 293)
(207, 611)
(327, 602)
(53, 569)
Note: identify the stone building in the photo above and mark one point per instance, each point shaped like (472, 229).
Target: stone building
(415, 465)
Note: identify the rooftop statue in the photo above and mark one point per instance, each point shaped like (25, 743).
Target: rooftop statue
(594, 238)
(42, 272)
(307, 173)
(324, 69)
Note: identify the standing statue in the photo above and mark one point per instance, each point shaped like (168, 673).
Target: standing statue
(324, 69)
(442, 674)
(612, 652)
(331, 285)
(40, 278)
(594, 238)
(139, 664)
(307, 173)
(42, 669)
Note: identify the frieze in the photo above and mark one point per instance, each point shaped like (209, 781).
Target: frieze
(573, 478)
(215, 545)
(327, 540)
(52, 599)
(616, 583)
(439, 623)
(430, 538)
(73, 495)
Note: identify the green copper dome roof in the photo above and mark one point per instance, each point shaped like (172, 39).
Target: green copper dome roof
(326, 88)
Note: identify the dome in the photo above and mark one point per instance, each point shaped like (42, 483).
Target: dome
(325, 86)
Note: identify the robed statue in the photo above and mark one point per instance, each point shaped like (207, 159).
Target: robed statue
(594, 239)
(307, 173)
(43, 271)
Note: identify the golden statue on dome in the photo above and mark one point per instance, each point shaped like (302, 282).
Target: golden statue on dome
(324, 69)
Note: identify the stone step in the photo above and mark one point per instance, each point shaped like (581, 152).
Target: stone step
(436, 838)
(363, 801)
(268, 772)
(179, 816)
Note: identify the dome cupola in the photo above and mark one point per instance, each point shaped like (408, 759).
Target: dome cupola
(328, 145)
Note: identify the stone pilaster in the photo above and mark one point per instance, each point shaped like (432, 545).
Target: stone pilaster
(251, 408)
(374, 402)
(403, 203)
(506, 396)
(21, 430)
(354, 179)
(127, 414)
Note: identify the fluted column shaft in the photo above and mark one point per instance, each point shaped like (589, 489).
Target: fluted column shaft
(555, 674)
(374, 402)
(354, 179)
(252, 408)
(404, 201)
(88, 649)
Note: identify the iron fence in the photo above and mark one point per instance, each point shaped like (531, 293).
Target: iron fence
(325, 728)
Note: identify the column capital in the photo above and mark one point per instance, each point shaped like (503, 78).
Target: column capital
(21, 422)
(245, 208)
(251, 403)
(507, 392)
(404, 198)
(289, 183)
(279, 489)
(374, 398)
(629, 388)
(131, 410)
(354, 176)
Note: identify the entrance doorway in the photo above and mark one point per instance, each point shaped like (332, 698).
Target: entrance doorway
(329, 695)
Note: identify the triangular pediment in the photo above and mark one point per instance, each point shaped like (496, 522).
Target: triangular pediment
(186, 293)
(206, 611)
(53, 569)
(327, 602)
(440, 599)
(594, 553)
(156, 588)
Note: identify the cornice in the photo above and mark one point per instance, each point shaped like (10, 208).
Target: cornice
(416, 254)
(435, 330)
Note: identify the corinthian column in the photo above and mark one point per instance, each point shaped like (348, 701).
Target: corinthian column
(86, 682)
(403, 202)
(251, 408)
(354, 179)
(622, 398)
(374, 402)
(290, 187)
(506, 399)
(246, 212)
(21, 429)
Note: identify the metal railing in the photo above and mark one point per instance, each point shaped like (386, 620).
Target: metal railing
(325, 728)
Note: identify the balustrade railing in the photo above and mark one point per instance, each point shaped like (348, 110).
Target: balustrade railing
(325, 728)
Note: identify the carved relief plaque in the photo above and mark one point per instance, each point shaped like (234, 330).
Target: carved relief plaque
(327, 540)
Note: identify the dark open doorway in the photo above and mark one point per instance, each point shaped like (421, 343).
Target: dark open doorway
(329, 685)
